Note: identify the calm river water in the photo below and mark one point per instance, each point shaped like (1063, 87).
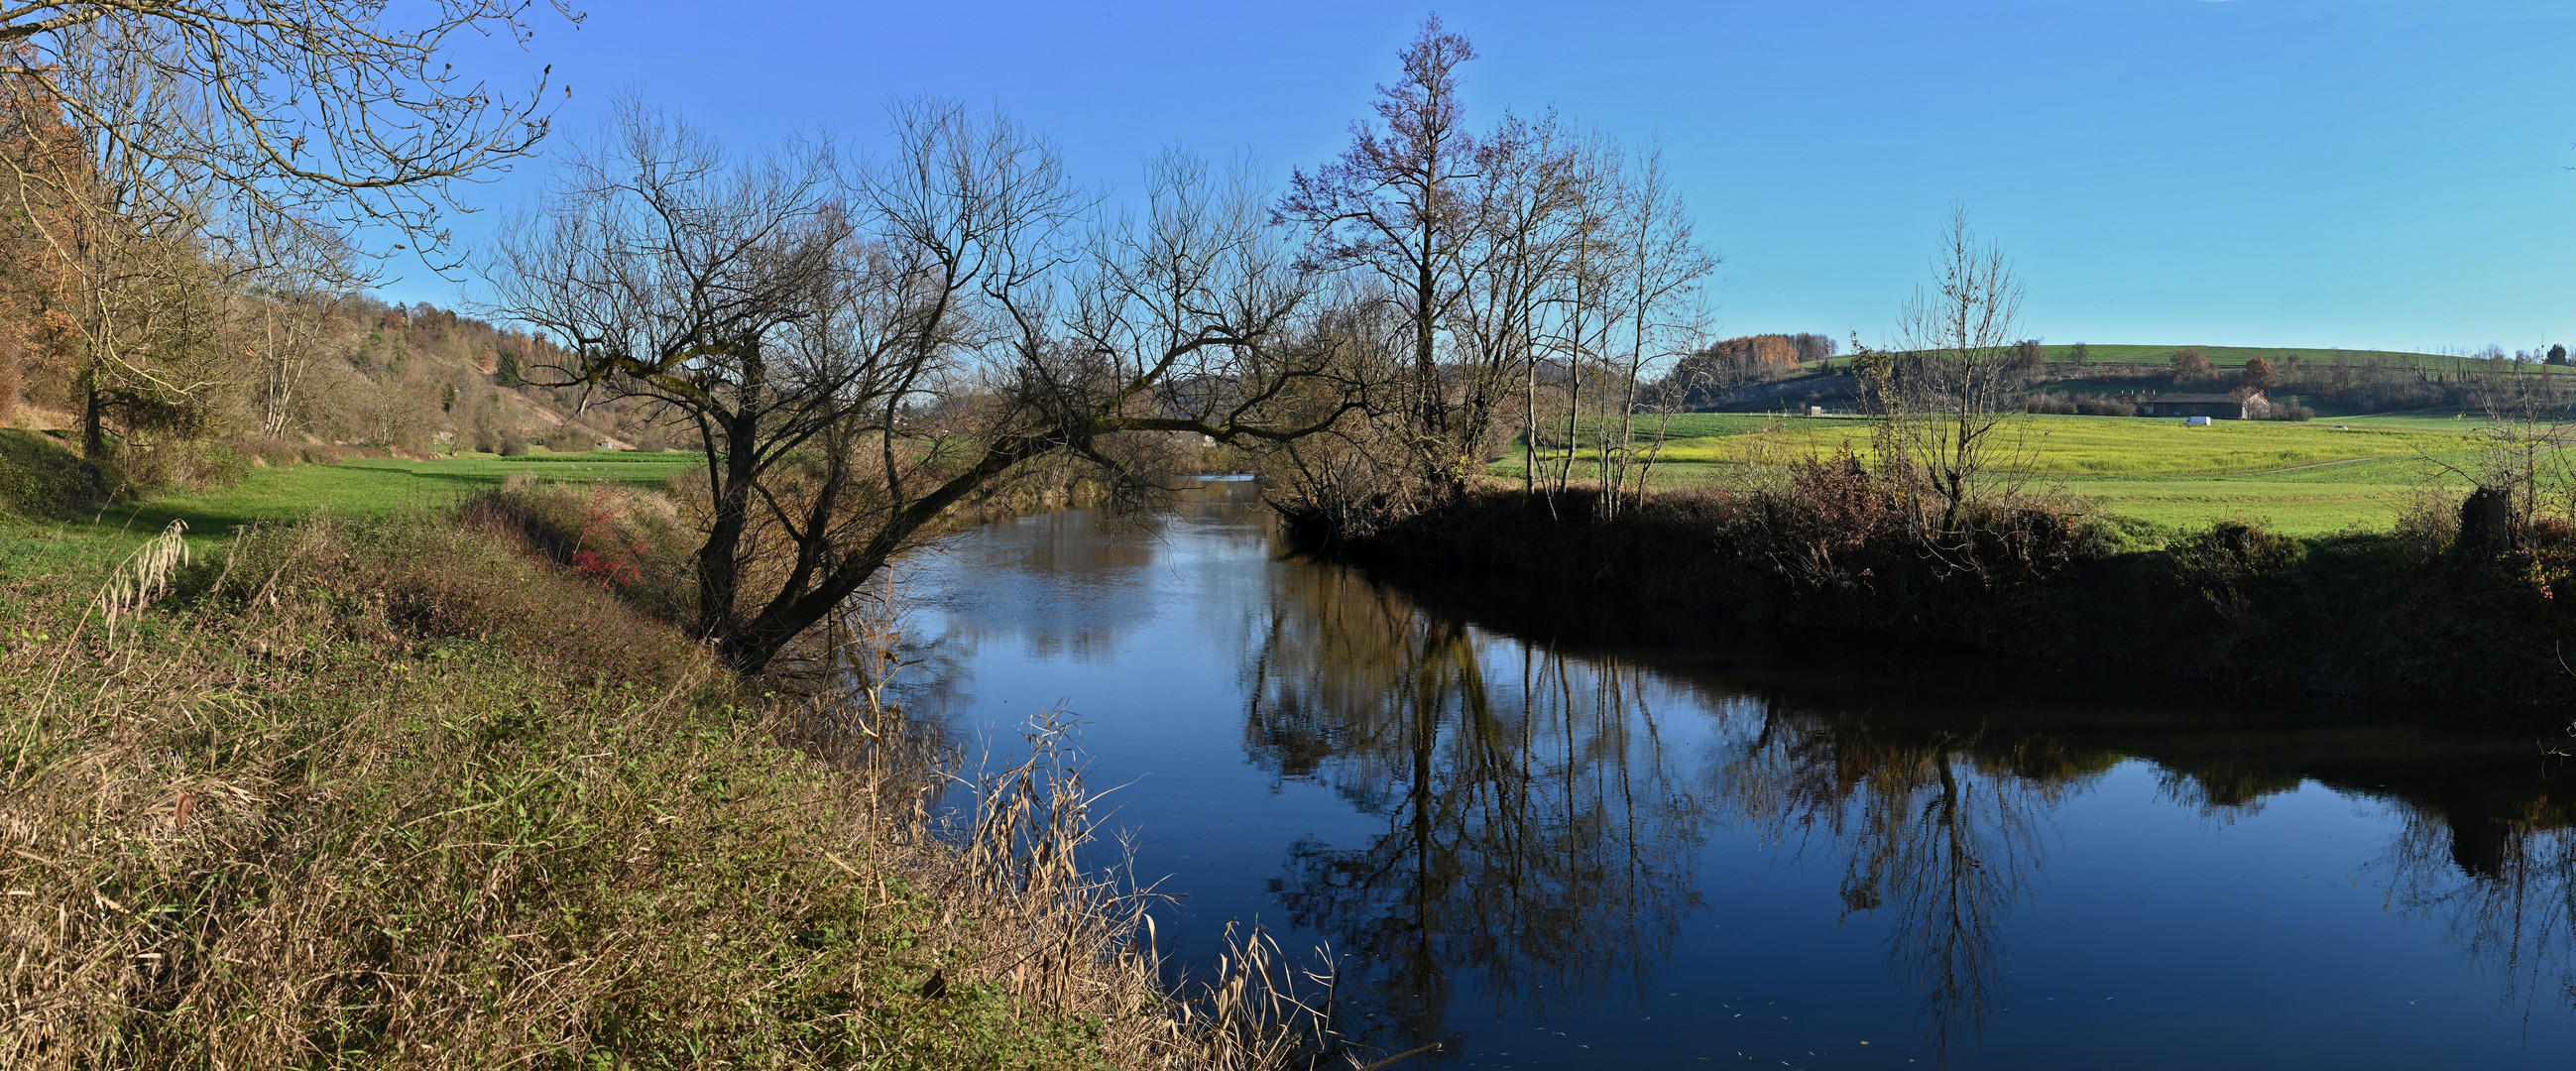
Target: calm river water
(1550, 835)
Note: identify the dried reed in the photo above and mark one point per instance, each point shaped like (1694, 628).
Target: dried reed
(143, 577)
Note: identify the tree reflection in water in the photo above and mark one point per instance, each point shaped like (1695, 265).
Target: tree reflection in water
(2503, 883)
(1940, 828)
(1534, 832)
(1538, 838)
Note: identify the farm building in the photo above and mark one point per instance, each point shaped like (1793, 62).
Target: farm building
(2215, 406)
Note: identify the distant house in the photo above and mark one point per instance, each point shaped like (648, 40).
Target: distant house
(2214, 406)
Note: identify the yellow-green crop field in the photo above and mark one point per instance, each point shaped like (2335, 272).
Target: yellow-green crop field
(2323, 476)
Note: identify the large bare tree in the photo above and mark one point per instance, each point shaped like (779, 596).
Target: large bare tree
(1400, 203)
(862, 351)
(1533, 179)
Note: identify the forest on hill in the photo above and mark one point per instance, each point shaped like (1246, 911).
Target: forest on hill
(1768, 373)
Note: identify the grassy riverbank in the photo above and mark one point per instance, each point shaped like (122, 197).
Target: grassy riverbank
(399, 791)
(2401, 616)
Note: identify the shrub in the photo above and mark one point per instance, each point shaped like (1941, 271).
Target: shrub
(44, 479)
(629, 543)
(512, 445)
(2428, 520)
(2045, 402)
(2062, 405)
(2223, 561)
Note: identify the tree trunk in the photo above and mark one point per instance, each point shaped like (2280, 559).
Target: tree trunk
(720, 559)
(93, 418)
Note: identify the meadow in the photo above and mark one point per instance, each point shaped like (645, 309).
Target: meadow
(2298, 478)
(363, 486)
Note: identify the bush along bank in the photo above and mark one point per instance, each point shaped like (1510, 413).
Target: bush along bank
(2420, 614)
(404, 793)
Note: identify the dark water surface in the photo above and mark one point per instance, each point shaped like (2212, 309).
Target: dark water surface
(1545, 834)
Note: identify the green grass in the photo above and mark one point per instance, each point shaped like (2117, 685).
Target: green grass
(49, 509)
(2300, 478)
(2443, 420)
(370, 486)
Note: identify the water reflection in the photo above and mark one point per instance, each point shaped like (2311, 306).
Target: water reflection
(1536, 831)
(1533, 830)
(2503, 885)
(1939, 827)
(1510, 807)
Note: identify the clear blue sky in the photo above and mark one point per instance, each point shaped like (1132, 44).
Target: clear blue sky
(2359, 173)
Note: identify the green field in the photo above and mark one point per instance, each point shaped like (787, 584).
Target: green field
(359, 486)
(2299, 478)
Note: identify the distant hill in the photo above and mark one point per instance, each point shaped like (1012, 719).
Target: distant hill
(2324, 380)
(2236, 356)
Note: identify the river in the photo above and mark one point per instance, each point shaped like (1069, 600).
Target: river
(1545, 833)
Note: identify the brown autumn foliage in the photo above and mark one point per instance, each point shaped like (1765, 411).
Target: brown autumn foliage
(37, 330)
(1756, 351)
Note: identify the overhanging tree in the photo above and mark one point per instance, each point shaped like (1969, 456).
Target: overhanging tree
(861, 352)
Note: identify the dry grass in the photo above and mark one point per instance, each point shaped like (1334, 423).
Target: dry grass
(143, 577)
(400, 795)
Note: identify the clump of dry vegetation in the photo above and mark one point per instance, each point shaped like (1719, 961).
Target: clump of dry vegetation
(402, 794)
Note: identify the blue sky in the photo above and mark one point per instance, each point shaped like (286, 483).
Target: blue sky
(2359, 173)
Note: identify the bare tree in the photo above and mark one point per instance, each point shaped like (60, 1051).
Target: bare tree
(290, 107)
(1526, 206)
(1661, 264)
(290, 290)
(125, 228)
(1582, 301)
(203, 145)
(1400, 204)
(861, 357)
(2519, 473)
(1956, 367)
